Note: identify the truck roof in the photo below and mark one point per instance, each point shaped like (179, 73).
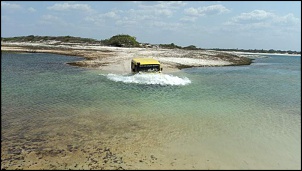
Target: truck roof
(145, 61)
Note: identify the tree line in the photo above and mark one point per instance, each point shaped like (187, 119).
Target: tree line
(124, 40)
(259, 51)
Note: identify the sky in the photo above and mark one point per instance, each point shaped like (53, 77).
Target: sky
(204, 24)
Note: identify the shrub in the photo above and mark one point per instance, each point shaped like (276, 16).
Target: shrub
(121, 41)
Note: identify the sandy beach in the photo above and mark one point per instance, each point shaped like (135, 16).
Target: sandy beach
(117, 59)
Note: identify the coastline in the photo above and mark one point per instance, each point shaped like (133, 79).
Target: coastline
(117, 59)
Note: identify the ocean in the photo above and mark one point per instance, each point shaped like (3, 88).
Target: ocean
(57, 116)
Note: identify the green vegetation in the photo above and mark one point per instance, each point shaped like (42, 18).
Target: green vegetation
(66, 39)
(169, 46)
(259, 51)
(191, 47)
(173, 46)
(123, 40)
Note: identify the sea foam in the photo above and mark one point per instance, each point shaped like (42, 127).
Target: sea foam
(149, 78)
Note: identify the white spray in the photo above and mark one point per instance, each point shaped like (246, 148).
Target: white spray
(149, 78)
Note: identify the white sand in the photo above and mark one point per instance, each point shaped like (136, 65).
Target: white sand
(117, 59)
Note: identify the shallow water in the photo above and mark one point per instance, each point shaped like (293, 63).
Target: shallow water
(239, 117)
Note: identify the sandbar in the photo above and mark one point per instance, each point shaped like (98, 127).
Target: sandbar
(118, 59)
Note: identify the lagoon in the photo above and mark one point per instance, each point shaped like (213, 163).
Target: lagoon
(57, 116)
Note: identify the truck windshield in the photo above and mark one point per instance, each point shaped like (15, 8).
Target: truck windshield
(149, 68)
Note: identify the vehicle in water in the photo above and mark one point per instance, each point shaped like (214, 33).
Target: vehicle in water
(145, 65)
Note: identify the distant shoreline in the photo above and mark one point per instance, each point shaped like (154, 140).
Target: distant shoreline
(117, 59)
(258, 53)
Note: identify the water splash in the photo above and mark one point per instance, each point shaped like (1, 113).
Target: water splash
(149, 78)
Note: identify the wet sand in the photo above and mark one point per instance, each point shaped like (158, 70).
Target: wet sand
(92, 140)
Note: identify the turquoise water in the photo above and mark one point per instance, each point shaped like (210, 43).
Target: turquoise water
(237, 117)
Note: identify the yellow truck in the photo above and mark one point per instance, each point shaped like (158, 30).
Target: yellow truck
(145, 65)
